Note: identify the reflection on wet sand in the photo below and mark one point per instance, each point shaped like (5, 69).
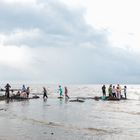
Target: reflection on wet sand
(57, 119)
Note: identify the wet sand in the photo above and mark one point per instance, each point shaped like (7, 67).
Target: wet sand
(59, 119)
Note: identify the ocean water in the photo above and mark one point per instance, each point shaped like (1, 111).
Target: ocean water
(56, 119)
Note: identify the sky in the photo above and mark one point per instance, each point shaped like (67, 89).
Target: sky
(70, 41)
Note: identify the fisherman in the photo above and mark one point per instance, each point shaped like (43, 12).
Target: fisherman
(66, 93)
(7, 90)
(104, 90)
(44, 93)
(60, 91)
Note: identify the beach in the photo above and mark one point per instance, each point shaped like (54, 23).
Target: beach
(56, 119)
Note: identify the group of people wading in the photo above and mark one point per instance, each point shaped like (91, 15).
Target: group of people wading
(114, 91)
(24, 92)
(60, 91)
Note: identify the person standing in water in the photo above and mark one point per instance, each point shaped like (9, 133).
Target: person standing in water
(114, 91)
(60, 91)
(66, 93)
(104, 90)
(125, 88)
(7, 90)
(23, 88)
(118, 91)
(110, 90)
(44, 93)
(28, 91)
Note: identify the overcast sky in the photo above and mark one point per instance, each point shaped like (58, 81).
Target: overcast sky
(70, 41)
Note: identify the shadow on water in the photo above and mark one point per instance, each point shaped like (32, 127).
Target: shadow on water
(66, 100)
(60, 101)
(45, 99)
(7, 101)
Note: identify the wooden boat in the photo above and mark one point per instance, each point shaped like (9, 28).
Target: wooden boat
(60, 97)
(2, 98)
(12, 90)
(15, 97)
(110, 98)
(107, 98)
(77, 100)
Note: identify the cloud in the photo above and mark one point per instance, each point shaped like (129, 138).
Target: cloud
(49, 21)
(55, 44)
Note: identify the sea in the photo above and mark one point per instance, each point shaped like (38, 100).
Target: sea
(60, 119)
